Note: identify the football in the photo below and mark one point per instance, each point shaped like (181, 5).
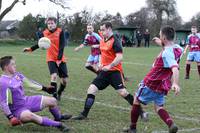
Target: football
(44, 43)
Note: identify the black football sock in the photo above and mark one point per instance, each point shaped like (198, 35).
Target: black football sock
(187, 70)
(88, 104)
(91, 69)
(54, 84)
(61, 89)
(129, 98)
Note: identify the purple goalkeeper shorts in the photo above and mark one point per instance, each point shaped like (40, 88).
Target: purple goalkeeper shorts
(33, 104)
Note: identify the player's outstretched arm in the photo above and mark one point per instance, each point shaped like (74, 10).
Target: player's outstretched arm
(175, 80)
(33, 84)
(27, 50)
(157, 41)
(5, 99)
(31, 49)
(185, 50)
(79, 47)
(99, 64)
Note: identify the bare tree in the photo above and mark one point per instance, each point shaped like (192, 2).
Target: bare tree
(162, 7)
(9, 8)
(62, 3)
(139, 19)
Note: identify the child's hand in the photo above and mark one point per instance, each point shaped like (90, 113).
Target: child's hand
(27, 50)
(157, 41)
(76, 49)
(58, 62)
(176, 88)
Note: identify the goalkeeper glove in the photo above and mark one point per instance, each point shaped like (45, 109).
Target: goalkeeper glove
(13, 120)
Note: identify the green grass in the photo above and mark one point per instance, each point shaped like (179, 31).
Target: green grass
(104, 119)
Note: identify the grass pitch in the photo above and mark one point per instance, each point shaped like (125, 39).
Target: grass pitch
(110, 112)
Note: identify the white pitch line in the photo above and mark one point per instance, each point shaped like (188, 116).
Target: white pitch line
(124, 62)
(123, 108)
(128, 109)
(182, 130)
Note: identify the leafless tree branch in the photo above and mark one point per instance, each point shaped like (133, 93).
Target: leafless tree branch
(61, 3)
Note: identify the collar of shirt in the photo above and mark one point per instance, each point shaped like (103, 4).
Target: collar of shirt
(107, 39)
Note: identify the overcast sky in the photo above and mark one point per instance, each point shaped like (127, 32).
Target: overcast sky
(186, 8)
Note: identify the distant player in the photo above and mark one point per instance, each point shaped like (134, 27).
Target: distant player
(91, 39)
(157, 82)
(18, 107)
(193, 43)
(110, 74)
(55, 55)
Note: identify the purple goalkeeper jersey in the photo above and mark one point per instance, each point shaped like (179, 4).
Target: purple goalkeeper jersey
(12, 94)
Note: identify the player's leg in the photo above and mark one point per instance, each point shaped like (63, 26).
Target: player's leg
(145, 43)
(118, 84)
(198, 68)
(164, 115)
(96, 63)
(148, 43)
(89, 101)
(189, 60)
(51, 103)
(128, 97)
(116, 81)
(38, 102)
(63, 74)
(99, 83)
(89, 63)
(187, 69)
(54, 83)
(142, 95)
(63, 84)
(28, 116)
(53, 69)
(197, 59)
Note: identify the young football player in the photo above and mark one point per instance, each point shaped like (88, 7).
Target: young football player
(20, 108)
(55, 55)
(111, 68)
(92, 39)
(157, 83)
(193, 43)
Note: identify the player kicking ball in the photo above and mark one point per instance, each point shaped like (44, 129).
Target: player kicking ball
(157, 83)
(110, 74)
(20, 108)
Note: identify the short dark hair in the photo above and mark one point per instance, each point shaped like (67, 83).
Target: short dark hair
(51, 19)
(107, 24)
(90, 24)
(168, 32)
(4, 61)
(194, 26)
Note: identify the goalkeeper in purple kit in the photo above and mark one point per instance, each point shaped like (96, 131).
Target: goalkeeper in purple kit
(20, 108)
